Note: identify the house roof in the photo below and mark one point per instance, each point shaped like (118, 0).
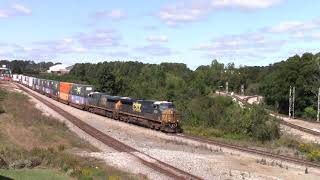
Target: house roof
(59, 67)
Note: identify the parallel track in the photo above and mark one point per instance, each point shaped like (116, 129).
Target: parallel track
(152, 163)
(294, 160)
(294, 126)
(300, 128)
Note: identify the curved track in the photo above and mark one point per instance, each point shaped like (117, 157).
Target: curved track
(145, 159)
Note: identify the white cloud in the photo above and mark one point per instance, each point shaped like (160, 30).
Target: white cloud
(173, 15)
(191, 10)
(311, 36)
(246, 45)
(99, 38)
(307, 30)
(15, 10)
(47, 49)
(294, 26)
(159, 38)
(244, 4)
(155, 50)
(22, 9)
(115, 14)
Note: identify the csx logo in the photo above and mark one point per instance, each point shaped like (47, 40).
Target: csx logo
(78, 90)
(136, 107)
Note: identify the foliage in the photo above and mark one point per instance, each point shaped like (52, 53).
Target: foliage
(310, 113)
(27, 67)
(232, 121)
(311, 151)
(303, 73)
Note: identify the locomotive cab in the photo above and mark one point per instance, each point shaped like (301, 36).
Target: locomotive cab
(169, 115)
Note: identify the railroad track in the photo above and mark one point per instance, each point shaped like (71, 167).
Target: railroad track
(294, 160)
(294, 126)
(145, 159)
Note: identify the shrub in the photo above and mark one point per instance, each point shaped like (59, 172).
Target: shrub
(314, 155)
(310, 113)
(305, 148)
(222, 117)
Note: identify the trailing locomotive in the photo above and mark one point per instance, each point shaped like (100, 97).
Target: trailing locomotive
(159, 115)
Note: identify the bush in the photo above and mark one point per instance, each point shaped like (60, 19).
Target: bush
(314, 155)
(221, 117)
(310, 113)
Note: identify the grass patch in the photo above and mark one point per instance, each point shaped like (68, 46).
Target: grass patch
(3, 94)
(213, 133)
(29, 139)
(33, 174)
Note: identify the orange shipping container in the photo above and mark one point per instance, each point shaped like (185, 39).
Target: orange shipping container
(65, 91)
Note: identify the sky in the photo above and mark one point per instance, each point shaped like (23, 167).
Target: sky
(194, 32)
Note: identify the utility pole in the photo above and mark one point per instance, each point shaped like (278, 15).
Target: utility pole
(318, 114)
(291, 101)
(242, 89)
(227, 87)
(293, 98)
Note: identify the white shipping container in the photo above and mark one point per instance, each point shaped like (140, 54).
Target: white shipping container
(15, 77)
(30, 79)
(25, 80)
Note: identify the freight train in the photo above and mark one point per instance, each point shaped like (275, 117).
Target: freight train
(158, 115)
(5, 73)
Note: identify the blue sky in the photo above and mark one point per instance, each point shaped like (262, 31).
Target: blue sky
(246, 32)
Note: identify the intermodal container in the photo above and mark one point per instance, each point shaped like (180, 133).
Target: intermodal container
(48, 90)
(65, 89)
(37, 84)
(54, 87)
(30, 82)
(79, 94)
(43, 86)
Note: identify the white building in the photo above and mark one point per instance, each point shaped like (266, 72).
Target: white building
(60, 69)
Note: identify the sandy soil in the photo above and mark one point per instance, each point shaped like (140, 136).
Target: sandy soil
(207, 161)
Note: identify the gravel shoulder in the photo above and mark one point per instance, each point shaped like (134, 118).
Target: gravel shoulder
(207, 161)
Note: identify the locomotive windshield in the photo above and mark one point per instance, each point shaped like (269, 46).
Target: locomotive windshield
(165, 106)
